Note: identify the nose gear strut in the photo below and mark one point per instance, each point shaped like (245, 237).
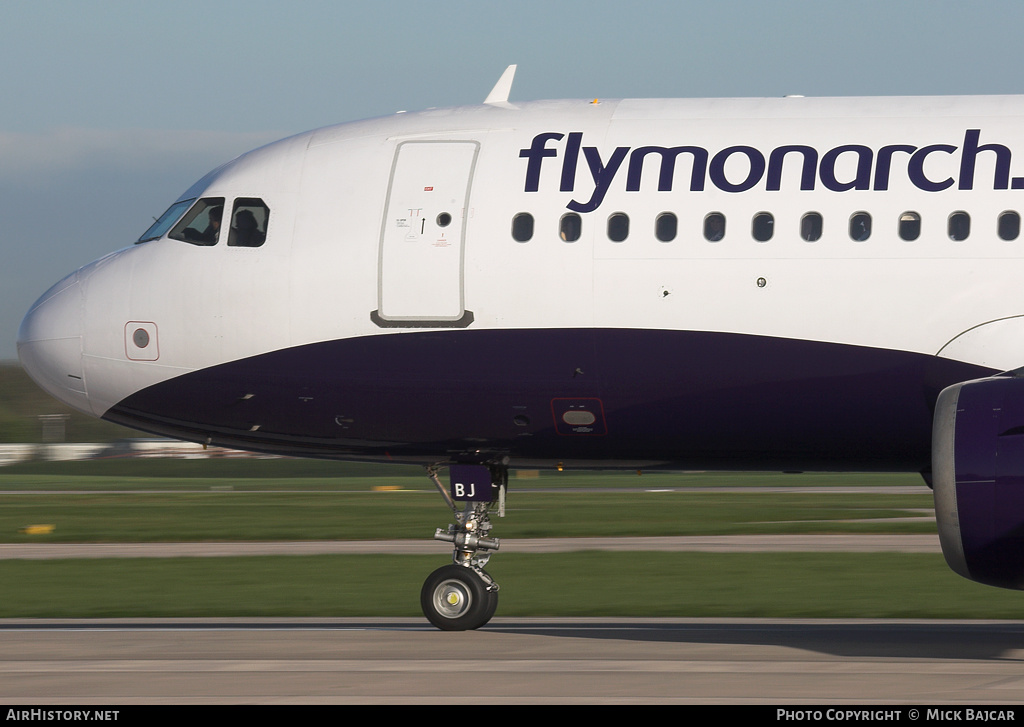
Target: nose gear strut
(463, 596)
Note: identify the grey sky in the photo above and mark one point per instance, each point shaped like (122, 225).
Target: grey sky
(110, 109)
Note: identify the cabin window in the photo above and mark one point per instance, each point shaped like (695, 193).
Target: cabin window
(665, 227)
(522, 227)
(201, 226)
(714, 227)
(763, 226)
(1009, 225)
(959, 226)
(570, 227)
(860, 226)
(910, 226)
(618, 227)
(159, 228)
(810, 227)
(249, 220)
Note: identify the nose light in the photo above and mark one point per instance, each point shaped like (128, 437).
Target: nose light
(140, 341)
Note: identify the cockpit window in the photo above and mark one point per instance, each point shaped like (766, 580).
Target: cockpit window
(249, 222)
(201, 226)
(168, 218)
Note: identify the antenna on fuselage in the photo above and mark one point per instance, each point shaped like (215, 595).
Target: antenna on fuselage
(499, 94)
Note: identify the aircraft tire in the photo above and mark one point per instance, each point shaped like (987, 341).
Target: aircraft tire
(455, 598)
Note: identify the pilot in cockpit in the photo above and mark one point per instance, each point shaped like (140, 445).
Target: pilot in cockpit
(208, 236)
(212, 231)
(246, 231)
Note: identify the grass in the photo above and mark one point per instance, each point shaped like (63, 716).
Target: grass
(289, 514)
(841, 585)
(212, 501)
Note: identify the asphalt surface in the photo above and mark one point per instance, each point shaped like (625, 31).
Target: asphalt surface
(513, 661)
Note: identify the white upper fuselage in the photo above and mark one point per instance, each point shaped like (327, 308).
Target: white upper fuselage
(343, 199)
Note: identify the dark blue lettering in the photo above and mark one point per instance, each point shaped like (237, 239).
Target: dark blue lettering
(602, 174)
(812, 167)
(668, 167)
(862, 180)
(536, 154)
(970, 153)
(570, 160)
(777, 158)
(883, 161)
(717, 171)
(915, 170)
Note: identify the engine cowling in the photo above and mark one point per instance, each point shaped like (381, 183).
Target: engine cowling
(978, 478)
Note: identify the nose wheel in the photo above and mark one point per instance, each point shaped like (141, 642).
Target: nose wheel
(462, 596)
(458, 598)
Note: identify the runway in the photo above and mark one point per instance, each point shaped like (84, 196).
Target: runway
(512, 661)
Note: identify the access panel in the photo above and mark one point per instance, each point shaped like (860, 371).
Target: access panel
(422, 242)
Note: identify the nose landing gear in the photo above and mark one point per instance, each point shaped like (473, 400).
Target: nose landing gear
(462, 596)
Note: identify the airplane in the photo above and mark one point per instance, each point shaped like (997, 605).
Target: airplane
(744, 284)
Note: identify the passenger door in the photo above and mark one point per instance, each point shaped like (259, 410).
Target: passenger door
(422, 240)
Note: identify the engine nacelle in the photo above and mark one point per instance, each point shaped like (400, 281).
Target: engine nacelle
(978, 476)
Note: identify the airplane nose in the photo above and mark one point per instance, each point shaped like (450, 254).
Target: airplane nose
(50, 343)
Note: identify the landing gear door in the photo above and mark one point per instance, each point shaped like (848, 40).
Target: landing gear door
(422, 240)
